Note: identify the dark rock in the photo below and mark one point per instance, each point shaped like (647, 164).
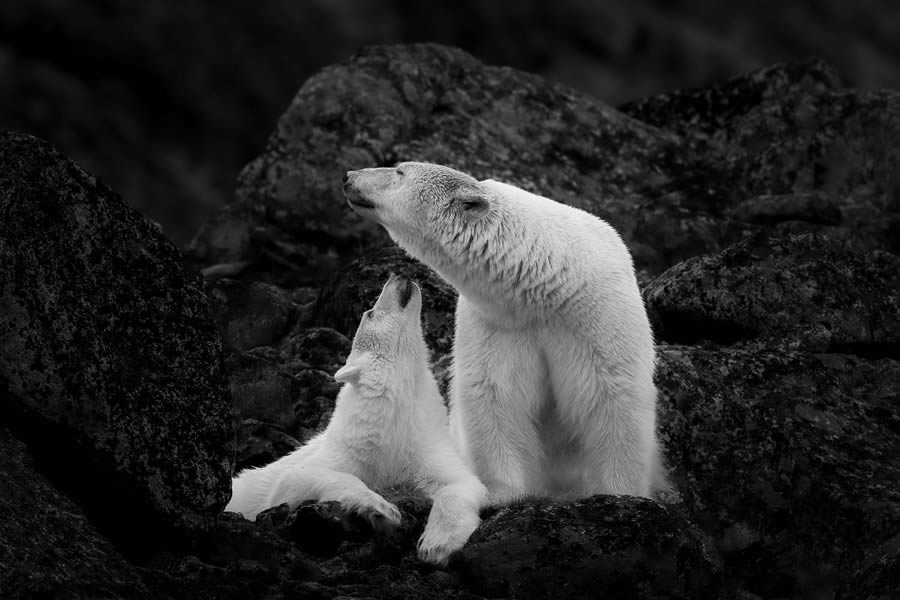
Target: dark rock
(790, 460)
(286, 393)
(443, 373)
(252, 315)
(263, 387)
(878, 578)
(798, 143)
(259, 443)
(358, 285)
(320, 347)
(110, 365)
(48, 549)
(229, 558)
(606, 546)
(804, 292)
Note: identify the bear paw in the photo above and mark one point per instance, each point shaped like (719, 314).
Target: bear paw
(437, 543)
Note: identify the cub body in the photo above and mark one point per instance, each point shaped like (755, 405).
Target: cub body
(389, 426)
(552, 391)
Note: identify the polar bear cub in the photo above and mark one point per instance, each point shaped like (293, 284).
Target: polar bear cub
(389, 426)
(552, 391)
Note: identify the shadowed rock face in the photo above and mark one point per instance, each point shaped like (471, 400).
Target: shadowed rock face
(790, 460)
(779, 405)
(110, 366)
(799, 292)
(605, 546)
(48, 549)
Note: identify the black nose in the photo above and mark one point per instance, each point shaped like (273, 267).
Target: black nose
(406, 290)
(346, 177)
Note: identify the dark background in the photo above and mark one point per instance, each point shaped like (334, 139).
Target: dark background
(166, 101)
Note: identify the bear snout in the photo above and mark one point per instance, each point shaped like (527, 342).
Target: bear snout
(353, 195)
(406, 290)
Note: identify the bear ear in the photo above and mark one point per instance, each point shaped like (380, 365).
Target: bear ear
(471, 202)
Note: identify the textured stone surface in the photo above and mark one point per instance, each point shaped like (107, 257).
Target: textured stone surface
(616, 547)
(780, 416)
(110, 364)
(356, 287)
(251, 316)
(790, 460)
(805, 292)
(878, 578)
(48, 549)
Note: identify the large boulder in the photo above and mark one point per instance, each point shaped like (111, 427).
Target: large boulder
(803, 292)
(791, 149)
(48, 549)
(356, 287)
(111, 367)
(605, 546)
(789, 460)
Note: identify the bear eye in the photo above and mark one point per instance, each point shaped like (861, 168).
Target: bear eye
(400, 172)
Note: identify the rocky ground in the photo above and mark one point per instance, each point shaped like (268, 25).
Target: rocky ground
(764, 217)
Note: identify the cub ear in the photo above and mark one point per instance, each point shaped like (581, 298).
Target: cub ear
(348, 374)
(472, 202)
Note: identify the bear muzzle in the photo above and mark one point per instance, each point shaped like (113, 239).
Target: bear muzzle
(353, 194)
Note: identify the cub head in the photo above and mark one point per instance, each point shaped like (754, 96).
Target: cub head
(389, 336)
(426, 208)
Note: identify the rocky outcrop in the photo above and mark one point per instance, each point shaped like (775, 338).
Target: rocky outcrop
(110, 366)
(48, 549)
(799, 292)
(788, 459)
(604, 546)
(761, 213)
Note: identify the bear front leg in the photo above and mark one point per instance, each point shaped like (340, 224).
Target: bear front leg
(458, 495)
(499, 385)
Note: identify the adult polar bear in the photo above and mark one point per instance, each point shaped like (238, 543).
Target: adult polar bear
(552, 391)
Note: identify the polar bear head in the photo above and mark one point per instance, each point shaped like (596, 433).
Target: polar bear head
(426, 208)
(389, 338)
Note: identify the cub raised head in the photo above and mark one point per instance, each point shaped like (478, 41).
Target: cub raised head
(389, 426)
(389, 338)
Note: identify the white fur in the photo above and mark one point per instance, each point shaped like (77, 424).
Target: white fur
(553, 390)
(389, 426)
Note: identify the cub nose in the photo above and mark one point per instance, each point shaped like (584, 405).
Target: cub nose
(346, 177)
(406, 288)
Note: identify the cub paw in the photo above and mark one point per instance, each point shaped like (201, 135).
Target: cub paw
(382, 515)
